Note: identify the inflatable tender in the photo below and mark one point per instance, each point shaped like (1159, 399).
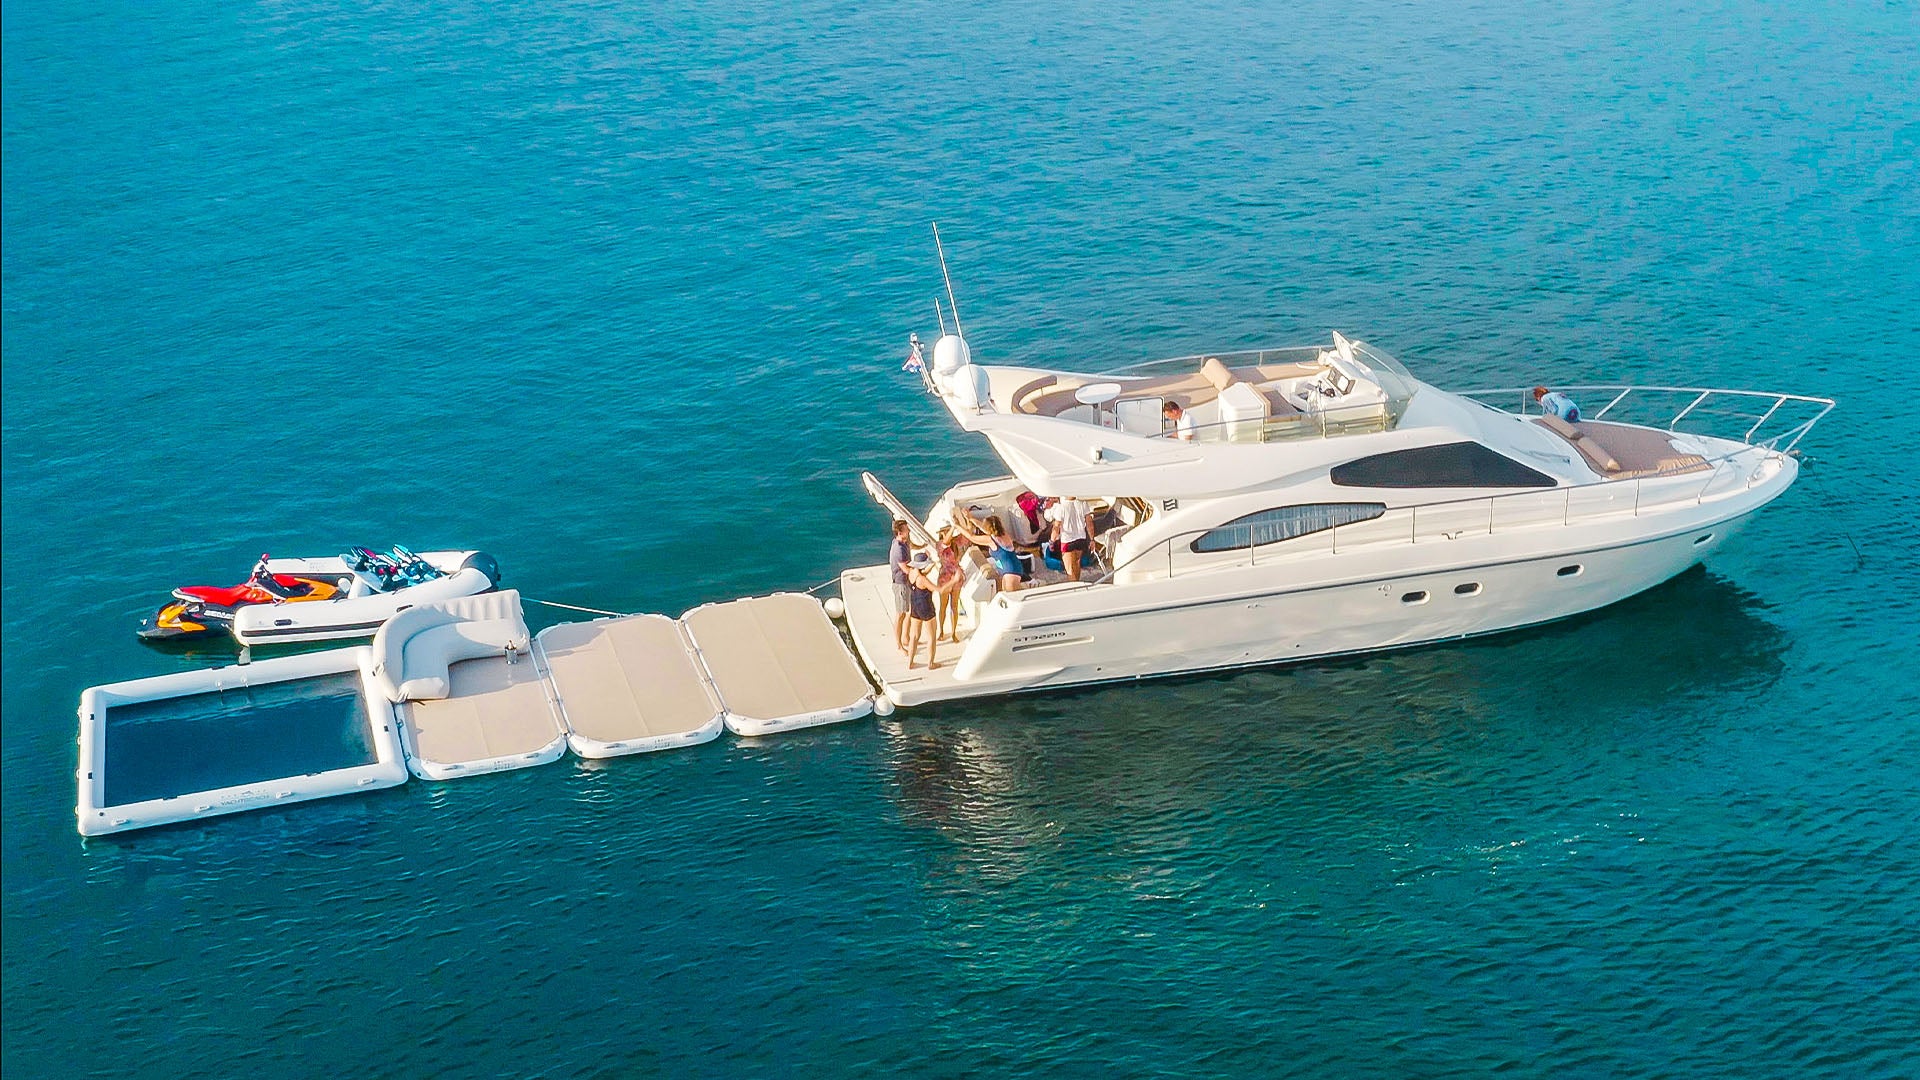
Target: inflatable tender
(471, 695)
(372, 597)
(197, 744)
(322, 599)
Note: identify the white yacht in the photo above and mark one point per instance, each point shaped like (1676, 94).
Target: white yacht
(1317, 501)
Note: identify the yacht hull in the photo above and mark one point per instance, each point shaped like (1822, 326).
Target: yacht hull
(1308, 608)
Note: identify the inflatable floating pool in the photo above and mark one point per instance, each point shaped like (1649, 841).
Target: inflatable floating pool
(197, 744)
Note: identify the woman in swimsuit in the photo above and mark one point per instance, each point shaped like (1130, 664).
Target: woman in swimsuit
(947, 586)
(1001, 552)
(920, 612)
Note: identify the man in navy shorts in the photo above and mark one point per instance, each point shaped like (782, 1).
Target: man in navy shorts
(897, 555)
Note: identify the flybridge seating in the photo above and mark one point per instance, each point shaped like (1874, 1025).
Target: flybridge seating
(1269, 395)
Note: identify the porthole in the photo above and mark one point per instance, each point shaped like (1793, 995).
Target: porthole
(1419, 597)
(1470, 588)
(1571, 571)
(1701, 539)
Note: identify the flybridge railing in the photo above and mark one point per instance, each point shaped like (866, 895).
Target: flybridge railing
(1291, 354)
(1314, 418)
(1708, 403)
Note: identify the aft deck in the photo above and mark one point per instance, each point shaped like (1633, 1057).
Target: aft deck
(868, 594)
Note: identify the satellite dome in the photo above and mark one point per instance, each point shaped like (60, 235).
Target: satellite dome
(950, 354)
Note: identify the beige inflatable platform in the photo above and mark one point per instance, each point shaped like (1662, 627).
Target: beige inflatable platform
(476, 695)
(471, 694)
(778, 663)
(628, 685)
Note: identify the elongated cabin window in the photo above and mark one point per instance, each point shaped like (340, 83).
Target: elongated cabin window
(1284, 523)
(1449, 465)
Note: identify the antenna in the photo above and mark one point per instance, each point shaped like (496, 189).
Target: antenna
(951, 305)
(940, 316)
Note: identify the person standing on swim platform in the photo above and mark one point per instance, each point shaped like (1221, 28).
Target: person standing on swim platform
(921, 611)
(898, 553)
(1555, 403)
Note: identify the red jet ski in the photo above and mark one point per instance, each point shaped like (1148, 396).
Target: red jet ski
(199, 610)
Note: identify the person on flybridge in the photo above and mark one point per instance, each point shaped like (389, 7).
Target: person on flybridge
(1177, 416)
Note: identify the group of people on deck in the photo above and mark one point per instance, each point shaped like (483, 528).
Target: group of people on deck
(926, 584)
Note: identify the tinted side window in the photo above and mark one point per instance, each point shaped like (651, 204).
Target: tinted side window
(1284, 523)
(1451, 465)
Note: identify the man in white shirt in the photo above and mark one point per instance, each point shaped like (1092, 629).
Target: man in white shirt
(1073, 528)
(1182, 423)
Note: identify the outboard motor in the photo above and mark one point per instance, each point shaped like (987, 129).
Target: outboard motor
(486, 564)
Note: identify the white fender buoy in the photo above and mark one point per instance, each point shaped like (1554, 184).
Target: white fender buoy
(883, 706)
(836, 607)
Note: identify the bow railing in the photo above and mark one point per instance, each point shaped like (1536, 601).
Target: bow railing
(1705, 404)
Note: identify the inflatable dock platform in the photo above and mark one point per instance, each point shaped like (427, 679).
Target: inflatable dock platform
(454, 689)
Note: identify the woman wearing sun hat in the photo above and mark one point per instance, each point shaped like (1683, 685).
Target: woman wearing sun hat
(920, 610)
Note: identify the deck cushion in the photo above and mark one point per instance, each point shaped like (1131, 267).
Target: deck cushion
(1216, 373)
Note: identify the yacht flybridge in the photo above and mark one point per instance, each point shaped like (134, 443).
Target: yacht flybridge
(1313, 502)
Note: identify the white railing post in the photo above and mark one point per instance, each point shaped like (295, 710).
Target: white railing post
(1675, 422)
(1618, 398)
(1768, 415)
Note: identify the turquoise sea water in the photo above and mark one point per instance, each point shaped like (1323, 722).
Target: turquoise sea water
(618, 292)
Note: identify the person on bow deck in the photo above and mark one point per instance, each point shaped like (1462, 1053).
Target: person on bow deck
(1555, 403)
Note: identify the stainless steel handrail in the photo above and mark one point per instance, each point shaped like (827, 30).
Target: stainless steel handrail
(1284, 353)
(1701, 395)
